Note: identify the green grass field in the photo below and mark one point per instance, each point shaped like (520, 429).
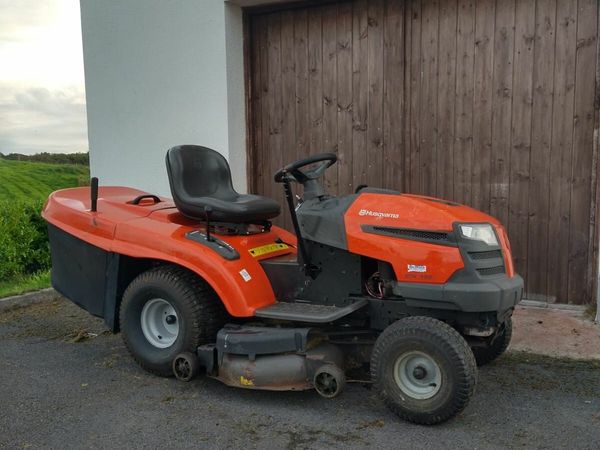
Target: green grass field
(24, 252)
(27, 181)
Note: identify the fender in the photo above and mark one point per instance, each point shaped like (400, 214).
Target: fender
(158, 231)
(241, 284)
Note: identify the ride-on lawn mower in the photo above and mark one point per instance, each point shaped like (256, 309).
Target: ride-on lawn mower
(420, 289)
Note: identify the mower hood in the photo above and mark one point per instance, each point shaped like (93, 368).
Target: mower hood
(414, 212)
(416, 234)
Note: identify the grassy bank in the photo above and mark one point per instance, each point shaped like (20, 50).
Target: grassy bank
(24, 250)
(25, 181)
(27, 283)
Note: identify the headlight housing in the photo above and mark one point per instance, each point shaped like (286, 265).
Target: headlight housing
(483, 232)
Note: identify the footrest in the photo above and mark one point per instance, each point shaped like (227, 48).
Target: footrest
(308, 312)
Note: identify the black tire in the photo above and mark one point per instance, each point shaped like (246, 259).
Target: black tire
(485, 355)
(199, 310)
(443, 346)
(186, 366)
(329, 381)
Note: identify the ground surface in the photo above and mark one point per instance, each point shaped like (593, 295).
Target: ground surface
(557, 333)
(65, 383)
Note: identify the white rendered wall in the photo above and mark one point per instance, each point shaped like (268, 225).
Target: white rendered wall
(161, 73)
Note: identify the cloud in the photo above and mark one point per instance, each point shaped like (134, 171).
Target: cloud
(20, 17)
(40, 42)
(42, 99)
(38, 119)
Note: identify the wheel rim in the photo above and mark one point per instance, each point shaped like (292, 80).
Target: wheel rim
(326, 384)
(417, 375)
(184, 368)
(160, 323)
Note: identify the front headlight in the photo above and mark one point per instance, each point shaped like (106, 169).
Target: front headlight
(479, 232)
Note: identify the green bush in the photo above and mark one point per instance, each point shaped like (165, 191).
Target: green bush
(24, 245)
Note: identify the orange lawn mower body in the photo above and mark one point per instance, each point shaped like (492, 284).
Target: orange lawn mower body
(402, 284)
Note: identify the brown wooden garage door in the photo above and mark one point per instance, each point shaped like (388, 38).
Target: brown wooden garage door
(486, 103)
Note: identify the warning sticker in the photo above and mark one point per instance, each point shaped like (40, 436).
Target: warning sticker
(245, 275)
(269, 248)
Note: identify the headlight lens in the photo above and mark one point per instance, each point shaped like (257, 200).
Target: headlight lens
(479, 232)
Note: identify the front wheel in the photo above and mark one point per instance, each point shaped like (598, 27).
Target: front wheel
(167, 311)
(423, 370)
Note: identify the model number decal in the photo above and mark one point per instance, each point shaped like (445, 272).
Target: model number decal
(368, 212)
(416, 268)
(269, 248)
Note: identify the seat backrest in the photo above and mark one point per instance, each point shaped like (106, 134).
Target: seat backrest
(196, 171)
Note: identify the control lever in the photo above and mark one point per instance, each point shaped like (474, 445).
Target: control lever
(208, 212)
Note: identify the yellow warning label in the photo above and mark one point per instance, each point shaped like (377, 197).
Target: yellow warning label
(245, 381)
(269, 248)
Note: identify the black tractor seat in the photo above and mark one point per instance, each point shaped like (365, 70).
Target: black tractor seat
(200, 178)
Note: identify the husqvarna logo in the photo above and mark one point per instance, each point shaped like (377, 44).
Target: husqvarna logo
(368, 212)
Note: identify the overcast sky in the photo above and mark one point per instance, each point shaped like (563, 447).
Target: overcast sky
(42, 94)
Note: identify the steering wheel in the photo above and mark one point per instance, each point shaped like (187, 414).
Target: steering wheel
(292, 171)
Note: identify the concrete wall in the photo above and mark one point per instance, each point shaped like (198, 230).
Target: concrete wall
(161, 73)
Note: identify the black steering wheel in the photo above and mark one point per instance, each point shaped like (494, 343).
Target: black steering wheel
(292, 171)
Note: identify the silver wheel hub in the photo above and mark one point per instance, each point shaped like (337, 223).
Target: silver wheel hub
(160, 323)
(417, 375)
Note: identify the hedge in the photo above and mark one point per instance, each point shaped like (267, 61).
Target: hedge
(24, 247)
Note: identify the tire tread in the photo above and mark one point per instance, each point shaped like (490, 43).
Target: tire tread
(453, 344)
(207, 312)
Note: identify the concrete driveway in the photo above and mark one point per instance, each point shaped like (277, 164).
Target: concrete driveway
(66, 383)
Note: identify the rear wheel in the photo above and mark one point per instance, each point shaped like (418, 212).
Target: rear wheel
(488, 353)
(166, 311)
(423, 370)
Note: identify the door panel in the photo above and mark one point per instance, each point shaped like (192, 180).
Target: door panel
(488, 103)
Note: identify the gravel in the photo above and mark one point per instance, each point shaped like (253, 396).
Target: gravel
(65, 382)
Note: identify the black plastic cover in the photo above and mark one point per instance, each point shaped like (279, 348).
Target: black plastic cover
(250, 340)
(219, 246)
(322, 220)
(85, 274)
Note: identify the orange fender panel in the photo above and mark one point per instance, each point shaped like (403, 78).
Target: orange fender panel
(157, 231)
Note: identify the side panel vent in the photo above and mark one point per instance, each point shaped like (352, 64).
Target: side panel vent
(432, 237)
(491, 254)
(415, 234)
(491, 270)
